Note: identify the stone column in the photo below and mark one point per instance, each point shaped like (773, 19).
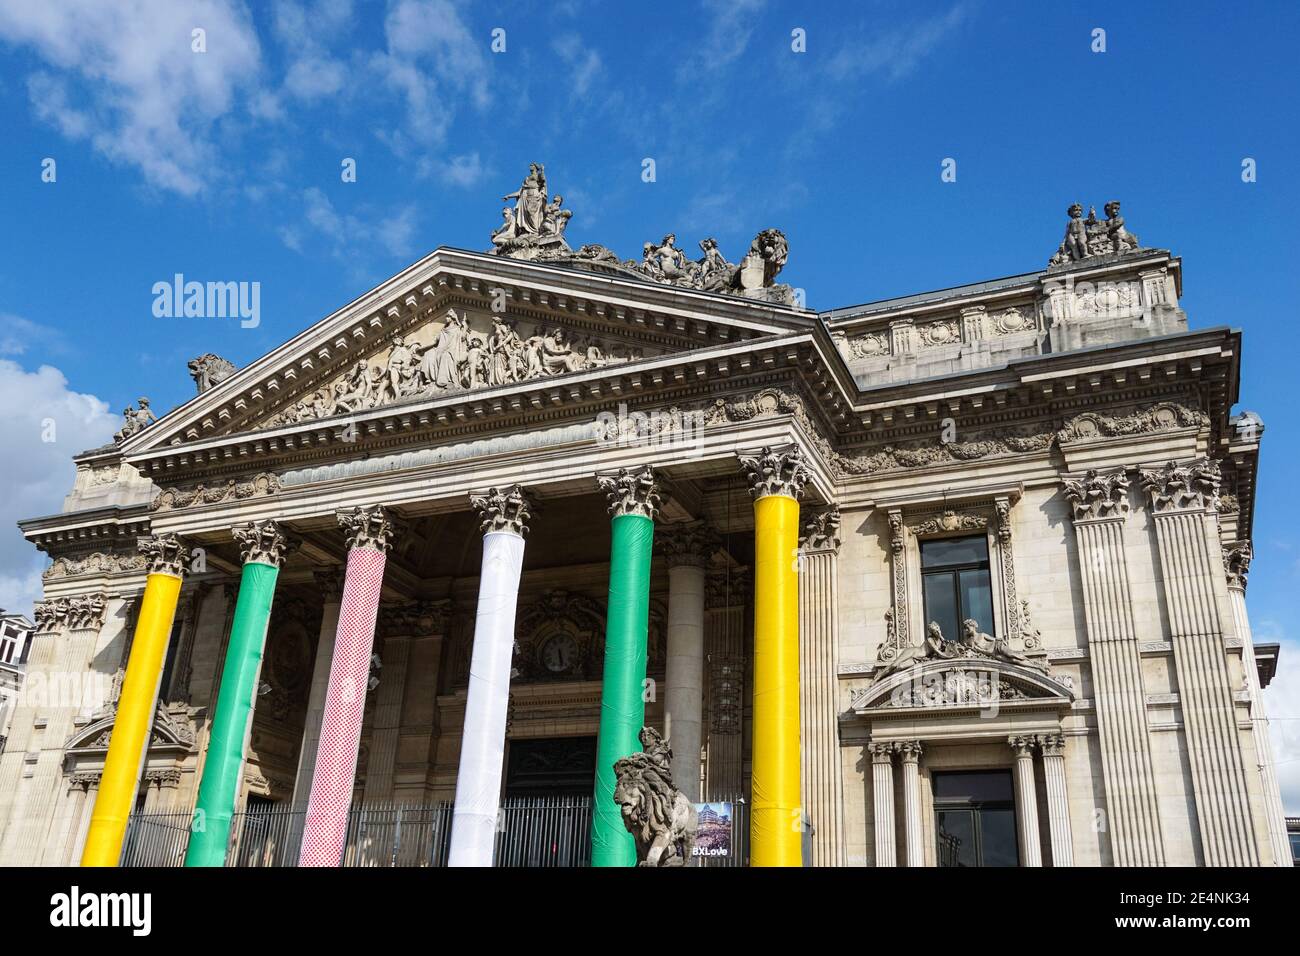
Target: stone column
(910, 754)
(369, 535)
(167, 559)
(882, 794)
(1031, 851)
(263, 545)
(504, 518)
(1183, 501)
(687, 548)
(776, 481)
(1052, 747)
(633, 503)
(819, 691)
(1236, 563)
(386, 720)
(727, 597)
(1100, 506)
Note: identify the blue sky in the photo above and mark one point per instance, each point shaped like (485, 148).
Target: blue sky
(225, 165)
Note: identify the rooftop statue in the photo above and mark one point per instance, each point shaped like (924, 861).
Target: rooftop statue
(1092, 237)
(137, 420)
(208, 370)
(534, 229)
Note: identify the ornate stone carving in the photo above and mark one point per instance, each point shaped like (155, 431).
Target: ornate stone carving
(174, 499)
(1088, 238)
(631, 492)
(1030, 635)
(727, 587)
(950, 521)
(165, 554)
(896, 617)
(1236, 563)
(136, 420)
(881, 751)
(1002, 516)
(1051, 745)
(776, 472)
(971, 644)
(909, 750)
(821, 530)
(1098, 496)
(660, 817)
(945, 332)
(955, 687)
(1158, 418)
(926, 453)
(415, 618)
(690, 543)
(371, 527)
(1190, 487)
(99, 562)
(84, 612)
(503, 510)
(208, 370)
(263, 542)
(1012, 320)
(867, 345)
(329, 582)
(1022, 745)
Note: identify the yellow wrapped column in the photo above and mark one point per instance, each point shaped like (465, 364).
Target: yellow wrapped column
(776, 481)
(168, 559)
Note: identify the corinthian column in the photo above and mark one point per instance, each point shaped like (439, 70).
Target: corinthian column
(910, 752)
(369, 534)
(1058, 803)
(819, 639)
(167, 558)
(633, 504)
(504, 516)
(1031, 851)
(1100, 505)
(1183, 501)
(263, 546)
(882, 795)
(776, 481)
(687, 548)
(1236, 563)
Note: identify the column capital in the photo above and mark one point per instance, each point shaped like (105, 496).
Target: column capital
(689, 543)
(1052, 745)
(368, 527)
(1098, 496)
(728, 587)
(775, 471)
(503, 510)
(165, 554)
(882, 752)
(264, 542)
(1236, 563)
(1022, 745)
(632, 492)
(83, 612)
(909, 750)
(1192, 486)
(415, 618)
(329, 582)
(821, 530)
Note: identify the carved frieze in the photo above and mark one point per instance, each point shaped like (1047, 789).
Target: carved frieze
(1193, 486)
(503, 510)
(1161, 417)
(1098, 496)
(173, 499)
(950, 521)
(99, 562)
(945, 332)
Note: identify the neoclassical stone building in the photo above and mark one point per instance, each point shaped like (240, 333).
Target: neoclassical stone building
(951, 579)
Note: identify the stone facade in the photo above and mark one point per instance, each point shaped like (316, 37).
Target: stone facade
(1068, 418)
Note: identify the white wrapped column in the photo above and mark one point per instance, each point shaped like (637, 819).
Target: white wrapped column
(482, 750)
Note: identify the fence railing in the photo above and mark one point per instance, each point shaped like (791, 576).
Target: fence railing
(533, 832)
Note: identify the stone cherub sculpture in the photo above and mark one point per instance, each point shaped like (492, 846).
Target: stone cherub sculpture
(660, 818)
(136, 420)
(1086, 238)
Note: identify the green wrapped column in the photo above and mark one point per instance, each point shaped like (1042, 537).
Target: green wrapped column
(634, 500)
(263, 546)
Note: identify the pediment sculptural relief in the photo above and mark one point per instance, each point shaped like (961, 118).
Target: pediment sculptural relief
(457, 353)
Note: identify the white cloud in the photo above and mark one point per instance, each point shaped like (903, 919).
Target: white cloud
(302, 30)
(38, 473)
(147, 100)
(350, 237)
(583, 62)
(895, 53)
(17, 333)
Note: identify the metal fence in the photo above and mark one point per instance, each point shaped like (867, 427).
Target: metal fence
(533, 832)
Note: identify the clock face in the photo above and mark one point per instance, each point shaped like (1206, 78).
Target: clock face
(560, 653)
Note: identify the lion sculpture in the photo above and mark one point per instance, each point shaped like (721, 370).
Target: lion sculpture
(660, 818)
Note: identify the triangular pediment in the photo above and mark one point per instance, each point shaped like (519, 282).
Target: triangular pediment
(460, 323)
